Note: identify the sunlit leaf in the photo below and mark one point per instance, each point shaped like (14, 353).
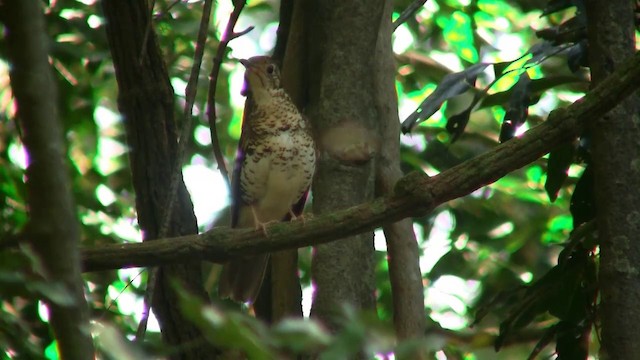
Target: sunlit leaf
(51, 351)
(459, 34)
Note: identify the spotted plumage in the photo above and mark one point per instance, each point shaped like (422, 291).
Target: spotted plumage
(273, 172)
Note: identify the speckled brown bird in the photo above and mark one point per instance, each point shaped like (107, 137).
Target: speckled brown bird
(273, 171)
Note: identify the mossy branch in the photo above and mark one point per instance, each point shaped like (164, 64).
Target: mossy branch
(415, 194)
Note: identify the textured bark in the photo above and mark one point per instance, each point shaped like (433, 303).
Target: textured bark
(53, 225)
(616, 163)
(402, 247)
(340, 61)
(414, 195)
(146, 102)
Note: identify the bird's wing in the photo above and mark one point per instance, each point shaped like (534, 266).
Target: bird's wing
(236, 190)
(298, 207)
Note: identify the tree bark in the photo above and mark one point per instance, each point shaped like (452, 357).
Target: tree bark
(53, 228)
(616, 162)
(340, 61)
(146, 102)
(402, 247)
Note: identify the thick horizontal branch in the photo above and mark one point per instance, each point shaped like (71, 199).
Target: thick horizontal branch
(415, 194)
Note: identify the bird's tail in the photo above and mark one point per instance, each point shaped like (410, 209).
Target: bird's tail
(241, 279)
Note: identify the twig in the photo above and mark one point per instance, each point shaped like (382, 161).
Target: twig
(176, 2)
(227, 36)
(407, 13)
(147, 31)
(187, 122)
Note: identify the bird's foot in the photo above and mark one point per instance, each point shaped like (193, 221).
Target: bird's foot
(300, 217)
(263, 226)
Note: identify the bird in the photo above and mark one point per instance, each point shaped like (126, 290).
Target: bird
(274, 167)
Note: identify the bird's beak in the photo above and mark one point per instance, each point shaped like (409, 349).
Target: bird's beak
(245, 63)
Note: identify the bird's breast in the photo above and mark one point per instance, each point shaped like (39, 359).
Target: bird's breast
(277, 170)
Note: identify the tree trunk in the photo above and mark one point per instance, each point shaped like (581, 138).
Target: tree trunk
(616, 161)
(339, 64)
(402, 246)
(147, 105)
(53, 225)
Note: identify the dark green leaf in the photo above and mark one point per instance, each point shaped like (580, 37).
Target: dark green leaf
(54, 292)
(548, 336)
(500, 67)
(542, 51)
(518, 109)
(457, 123)
(557, 168)
(556, 5)
(452, 85)
(451, 263)
(537, 86)
(572, 340)
(583, 206)
(578, 56)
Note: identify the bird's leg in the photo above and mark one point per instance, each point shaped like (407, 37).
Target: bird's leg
(259, 224)
(295, 217)
(256, 221)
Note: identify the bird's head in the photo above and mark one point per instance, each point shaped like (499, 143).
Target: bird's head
(261, 76)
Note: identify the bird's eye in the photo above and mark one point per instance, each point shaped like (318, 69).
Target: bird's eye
(270, 69)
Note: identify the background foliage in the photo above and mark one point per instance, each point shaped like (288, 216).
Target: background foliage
(481, 252)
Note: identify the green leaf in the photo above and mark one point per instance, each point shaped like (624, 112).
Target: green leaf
(111, 343)
(558, 169)
(518, 109)
(457, 123)
(54, 292)
(583, 206)
(452, 85)
(51, 351)
(301, 335)
(229, 330)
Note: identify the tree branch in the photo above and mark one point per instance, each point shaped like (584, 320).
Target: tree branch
(187, 124)
(403, 253)
(408, 12)
(415, 194)
(227, 36)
